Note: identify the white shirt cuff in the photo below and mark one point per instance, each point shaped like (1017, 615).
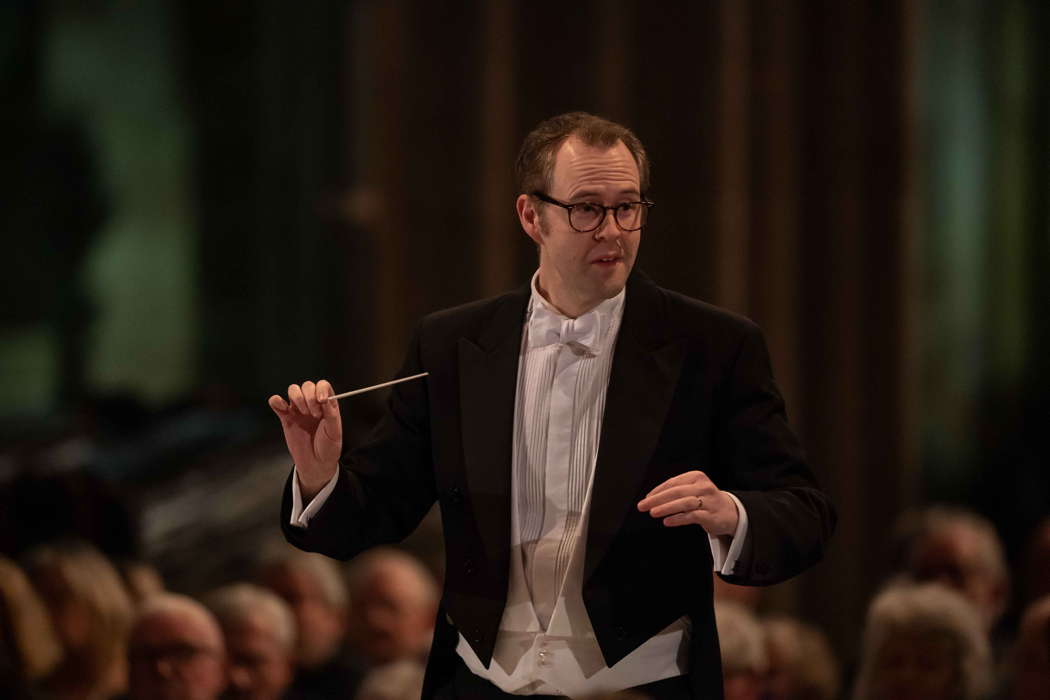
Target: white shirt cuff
(301, 516)
(725, 550)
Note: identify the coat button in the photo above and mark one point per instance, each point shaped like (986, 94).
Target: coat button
(468, 567)
(620, 633)
(455, 496)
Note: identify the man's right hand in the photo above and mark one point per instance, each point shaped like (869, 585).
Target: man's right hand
(313, 431)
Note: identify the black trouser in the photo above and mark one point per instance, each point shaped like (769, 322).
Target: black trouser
(466, 686)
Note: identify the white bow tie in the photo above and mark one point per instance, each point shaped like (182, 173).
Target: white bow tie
(547, 328)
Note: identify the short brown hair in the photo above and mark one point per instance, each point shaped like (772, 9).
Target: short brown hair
(534, 168)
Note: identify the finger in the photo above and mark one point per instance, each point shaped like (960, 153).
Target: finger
(310, 394)
(279, 406)
(295, 396)
(333, 423)
(671, 493)
(687, 504)
(685, 478)
(695, 517)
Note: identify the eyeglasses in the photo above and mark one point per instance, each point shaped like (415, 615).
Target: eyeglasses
(588, 216)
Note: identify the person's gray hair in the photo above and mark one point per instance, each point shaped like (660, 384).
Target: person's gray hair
(930, 608)
(325, 572)
(241, 602)
(361, 567)
(183, 606)
(740, 638)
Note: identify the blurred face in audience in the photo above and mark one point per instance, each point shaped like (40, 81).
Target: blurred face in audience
(917, 665)
(175, 656)
(260, 666)
(321, 625)
(391, 616)
(952, 557)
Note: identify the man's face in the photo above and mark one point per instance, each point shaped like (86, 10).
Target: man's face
(321, 626)
(174, 656)
(580, 270)
(951, 557)
(390, 618)
(260, 667)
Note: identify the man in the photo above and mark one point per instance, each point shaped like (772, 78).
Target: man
(578, 434)
(314, 589)
(960, 549)
(395, 600)
(175, 651)
(260, 639)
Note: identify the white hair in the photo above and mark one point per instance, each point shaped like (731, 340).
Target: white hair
(178, 605)
(324, 571)
(240, 602)
(362, 567)
(929, 608)
(740, 639)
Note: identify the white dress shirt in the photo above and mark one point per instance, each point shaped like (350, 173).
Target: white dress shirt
(545, 642)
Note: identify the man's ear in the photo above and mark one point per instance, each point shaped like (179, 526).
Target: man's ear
(529, 216)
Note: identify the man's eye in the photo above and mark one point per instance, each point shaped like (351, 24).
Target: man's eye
(626, 207)
(588, 209)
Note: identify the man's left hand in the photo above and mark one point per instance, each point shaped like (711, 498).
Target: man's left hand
(692, 499)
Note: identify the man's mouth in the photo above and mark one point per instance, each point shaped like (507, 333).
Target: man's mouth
(607, 260)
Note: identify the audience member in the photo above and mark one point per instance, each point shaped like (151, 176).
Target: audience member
(744, 657)
(91, 612)
(259, 630)
(313, 587)
(923, 642)
(398, 680)
(1030, 659)
(175, 651)
(801, 664)
(393, 603)
(961, 550)
(29, 650)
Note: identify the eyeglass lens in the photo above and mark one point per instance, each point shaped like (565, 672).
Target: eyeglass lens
(588, 217)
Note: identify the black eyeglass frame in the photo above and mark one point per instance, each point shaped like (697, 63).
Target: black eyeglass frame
(605, 211)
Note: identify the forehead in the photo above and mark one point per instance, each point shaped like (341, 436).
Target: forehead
(582, 168)
(167, 627)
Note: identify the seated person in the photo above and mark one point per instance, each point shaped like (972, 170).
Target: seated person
(923, 642)
(175, 651)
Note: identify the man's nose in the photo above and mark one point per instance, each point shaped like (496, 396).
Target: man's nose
(609, 227)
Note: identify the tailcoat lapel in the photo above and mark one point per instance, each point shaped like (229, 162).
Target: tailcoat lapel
(488, 371)
(644, 373)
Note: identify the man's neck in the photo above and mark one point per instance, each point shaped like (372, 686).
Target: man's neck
(564, 303)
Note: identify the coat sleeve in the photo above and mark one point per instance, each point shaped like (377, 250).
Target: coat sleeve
(386, 486)
(791, 518)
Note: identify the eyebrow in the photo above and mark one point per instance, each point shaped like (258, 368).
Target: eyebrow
(594, 194)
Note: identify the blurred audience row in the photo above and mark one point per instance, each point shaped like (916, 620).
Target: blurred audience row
(73, 627)
(303, 627)
(935, 631)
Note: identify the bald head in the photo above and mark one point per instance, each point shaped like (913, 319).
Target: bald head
(175, 651)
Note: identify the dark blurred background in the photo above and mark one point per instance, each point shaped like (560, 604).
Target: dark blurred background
(203, 202)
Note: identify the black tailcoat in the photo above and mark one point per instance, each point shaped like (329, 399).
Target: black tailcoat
(690, 388)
